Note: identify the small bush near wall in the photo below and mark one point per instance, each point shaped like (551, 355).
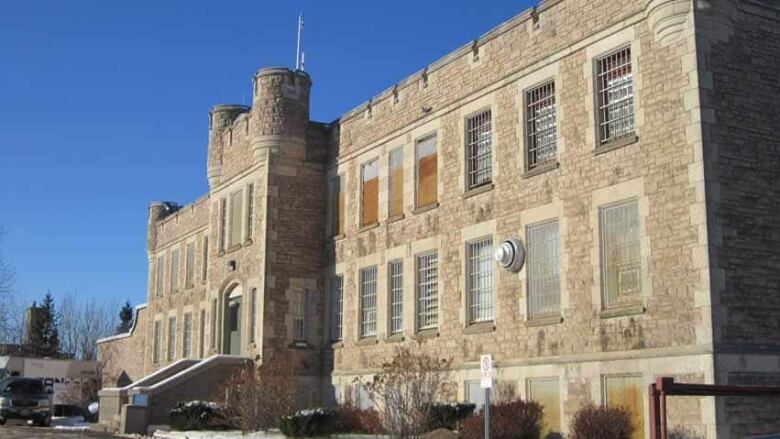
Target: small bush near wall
(308, 423)
(443, 415)
(599, 422)
(195, 415)
(350, 419)
(510, 420)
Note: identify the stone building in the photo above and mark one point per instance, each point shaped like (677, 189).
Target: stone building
(629, 147)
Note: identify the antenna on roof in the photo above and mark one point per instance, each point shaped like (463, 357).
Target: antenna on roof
(298, 54)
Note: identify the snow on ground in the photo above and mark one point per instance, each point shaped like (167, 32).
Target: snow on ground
(164, 434)
(74, 423)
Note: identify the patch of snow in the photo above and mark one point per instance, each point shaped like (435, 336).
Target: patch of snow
(93, 408)
(73, 423)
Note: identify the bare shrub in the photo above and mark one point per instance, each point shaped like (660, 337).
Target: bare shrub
(505, 391)
(509, 420)
(599, 422)
(406, 389)
(257, 397)
(351, 419)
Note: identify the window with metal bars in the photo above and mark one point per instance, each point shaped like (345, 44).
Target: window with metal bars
(223, 224)
(186, 345)
(300, 322)
(174, 270)
(336, 307)
(189, 266)
(202, 334)
(478, 149)
(615, 95)
(157, 348)
(428, 290)
(171, 338)
(396, 277)
(253, 315)
(214, 324)
(544, 284)
(620, 254)
(540, 115)
(160, 274)
(368, 302)
(250, 210)
(480, 280)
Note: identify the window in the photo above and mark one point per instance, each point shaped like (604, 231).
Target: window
(157, 348)
(475, 394)
(175, 270)
(544, 284)
(336, 206)
(186, 344)
(396, 275)
(202, 333)
(615, 95)
(160, 274)
(189, 269)
(250, 210)
(620, 254)
(253, 316)
(546, 392)
(300, 329)
(235, 218)
(205, 268)
(396, 183)
(427, 290)
(171, 338)
(427, 171)
(478, 149)
(214, 324)
(480, 280)
(369, 196)
(627, 391)
(223, 224)
(368, 302)
(336, 307)
(540, 125)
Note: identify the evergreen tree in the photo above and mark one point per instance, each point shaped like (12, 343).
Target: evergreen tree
(44, 331)
(125, 318)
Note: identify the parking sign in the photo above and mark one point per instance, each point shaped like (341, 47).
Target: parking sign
(486, 371)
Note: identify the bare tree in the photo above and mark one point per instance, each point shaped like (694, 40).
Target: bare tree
(82, 324)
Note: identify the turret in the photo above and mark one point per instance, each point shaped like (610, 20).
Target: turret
(220, 118)
(157, 211)
(280, 111)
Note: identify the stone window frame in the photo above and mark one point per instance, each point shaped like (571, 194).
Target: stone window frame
(372, 157)
(170, 339)
(399, 149)
(364, 324)
(602, 392)
(157, 340)
(159, 275)
(528, 396)
(477, 121)
(204, 252)
(250, 212)
(187, 313)
(301, 310)
(418, 286)
(624, 38)
(189, 265)
(418, 248)
(469, 234)
(488, 102)
(332, 175)
(253, 305)
(421, 132)
(605, 196)
(233, 196)
(174, 272)
(335, 330)
(401, 253)
(202, 320)
(393, 286)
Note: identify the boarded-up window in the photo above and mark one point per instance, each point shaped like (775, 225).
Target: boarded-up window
(160, 276)
(253, 316)
(175, 270)
(621, 258)
(546, 392)
(544, 284)
(202, 334)
(186, 344)
(157, 348)
(336, 206)
(369, 193)
(214, 324)
(427, 171)
(222, 224)
(250, 210)
(189, 269)
(205, 267)
(171, 338)
(627, 391)
(235, 218)
(396, 183)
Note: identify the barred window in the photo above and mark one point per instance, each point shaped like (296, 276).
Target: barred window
(250, 210)
(160, 274)
(202, 333)
(214, 324)
(171, 338)
(223, 224)
(236, 208)
(336, 206)
(189, 269)
(336, 307)
(480, 280)
(253, 314)
(369, 198)
(174, 270)
(428, 290)
(186, 345)
(540, 125)
(368, 302)
(396, 183)
(426, 167)
(300, 321)
(615, 95)
(157, 348)
(396, 275)
(205, 267)
(478, 149)
(544, 284)
(620, 254)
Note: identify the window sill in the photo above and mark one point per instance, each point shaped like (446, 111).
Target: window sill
(368, 227)
(395, 338)
(230, 249)
(395, 218)
(367, 341)
(478, 190)
(629, 310)
(338, 237)
(480, 328)
(425, 208)
(247, 242)
(547, 167)
(618, 143)
(427, 333)
(336, 344)
(299, 345)
(544, 321)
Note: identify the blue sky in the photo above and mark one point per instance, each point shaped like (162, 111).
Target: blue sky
(103, 108)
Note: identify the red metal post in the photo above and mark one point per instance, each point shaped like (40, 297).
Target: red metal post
(655, 416)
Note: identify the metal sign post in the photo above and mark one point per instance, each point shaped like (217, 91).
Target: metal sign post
(486, 382)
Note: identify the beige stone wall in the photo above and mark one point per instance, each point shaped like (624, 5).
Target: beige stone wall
(123, 357)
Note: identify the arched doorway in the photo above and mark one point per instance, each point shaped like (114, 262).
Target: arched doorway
(233, 321)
